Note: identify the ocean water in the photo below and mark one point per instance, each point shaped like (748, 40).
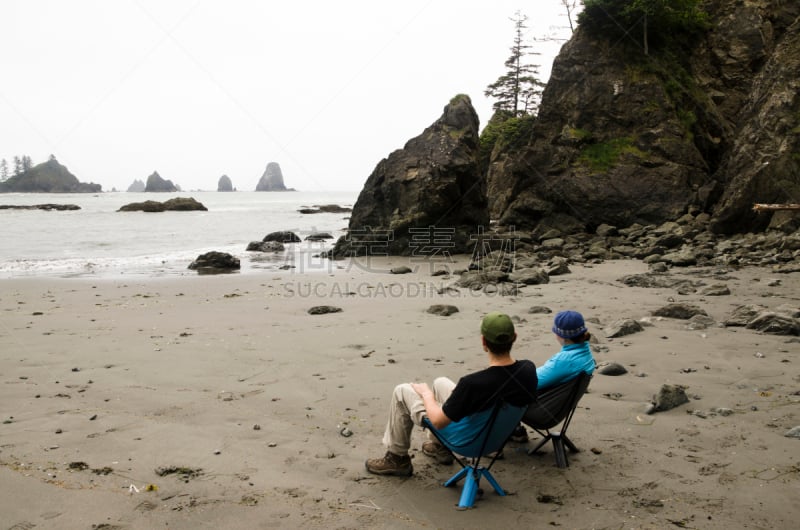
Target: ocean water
(99, 241)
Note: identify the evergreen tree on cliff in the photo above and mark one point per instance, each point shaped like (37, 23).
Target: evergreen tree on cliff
(518, 91)
(658, 20)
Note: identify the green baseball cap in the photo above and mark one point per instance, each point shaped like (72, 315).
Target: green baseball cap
(497, 328)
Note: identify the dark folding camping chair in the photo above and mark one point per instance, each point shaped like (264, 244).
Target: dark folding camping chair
(555, 406)
(488, 434)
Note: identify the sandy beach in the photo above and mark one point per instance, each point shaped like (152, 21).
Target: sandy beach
(220, 402)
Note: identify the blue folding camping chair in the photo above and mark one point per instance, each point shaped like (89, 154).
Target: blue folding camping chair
(475, 437)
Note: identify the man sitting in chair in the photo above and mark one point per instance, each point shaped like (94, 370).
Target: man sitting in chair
(448, 403)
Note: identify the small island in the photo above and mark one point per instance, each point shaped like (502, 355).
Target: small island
(47, 177)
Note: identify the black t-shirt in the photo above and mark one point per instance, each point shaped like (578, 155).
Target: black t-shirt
(514, 384)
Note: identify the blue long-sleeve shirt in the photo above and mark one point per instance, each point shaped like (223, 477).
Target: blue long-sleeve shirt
(566, 364)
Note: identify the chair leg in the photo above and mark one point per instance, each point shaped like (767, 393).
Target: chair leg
(458, 476)
(558, 448)
(569, 444)
(540, 444)
(470, 490)
(486, 473)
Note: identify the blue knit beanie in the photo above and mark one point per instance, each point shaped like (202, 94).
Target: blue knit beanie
(569, 324)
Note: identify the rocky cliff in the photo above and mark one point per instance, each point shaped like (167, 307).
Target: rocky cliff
(427, 197)
(623, 137)
(48, 177)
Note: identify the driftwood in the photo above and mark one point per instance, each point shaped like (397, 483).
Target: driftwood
(765, 207)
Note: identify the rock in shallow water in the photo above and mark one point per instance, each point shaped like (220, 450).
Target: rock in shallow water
(214, 261)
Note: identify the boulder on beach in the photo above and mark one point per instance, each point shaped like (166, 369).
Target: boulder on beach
(324, 310)
(679, 310)
(444, 310)
(669, 397)
(620, 328)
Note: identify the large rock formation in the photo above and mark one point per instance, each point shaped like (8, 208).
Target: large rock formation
(430, 190)
(137, 186)
(156, 184)
(761, 162)
(48, 177)
(272, 179)
(625, 138)
(224, 184)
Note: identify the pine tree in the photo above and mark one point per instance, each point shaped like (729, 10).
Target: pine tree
(3, 170)
(27, 163)
(17, 166)
(660, 21)
(517, 91)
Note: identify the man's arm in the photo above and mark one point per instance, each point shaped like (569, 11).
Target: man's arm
(433, 410)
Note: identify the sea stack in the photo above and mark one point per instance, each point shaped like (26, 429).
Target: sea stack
(156, 183)
(224, 184)
(272, 179)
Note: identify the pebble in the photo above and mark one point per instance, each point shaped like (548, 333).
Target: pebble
(256, 427)
(794, 432)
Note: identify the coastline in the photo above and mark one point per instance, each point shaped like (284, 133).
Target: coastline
(228, 382)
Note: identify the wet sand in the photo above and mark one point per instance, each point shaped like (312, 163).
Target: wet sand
(219, 402)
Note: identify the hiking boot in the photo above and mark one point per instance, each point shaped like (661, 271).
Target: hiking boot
(390, 464)
(520, 435)
(438, 452)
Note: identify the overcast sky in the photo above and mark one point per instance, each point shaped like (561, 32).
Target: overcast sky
(195, 89)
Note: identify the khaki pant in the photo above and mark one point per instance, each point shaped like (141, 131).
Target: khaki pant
(407, 410)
